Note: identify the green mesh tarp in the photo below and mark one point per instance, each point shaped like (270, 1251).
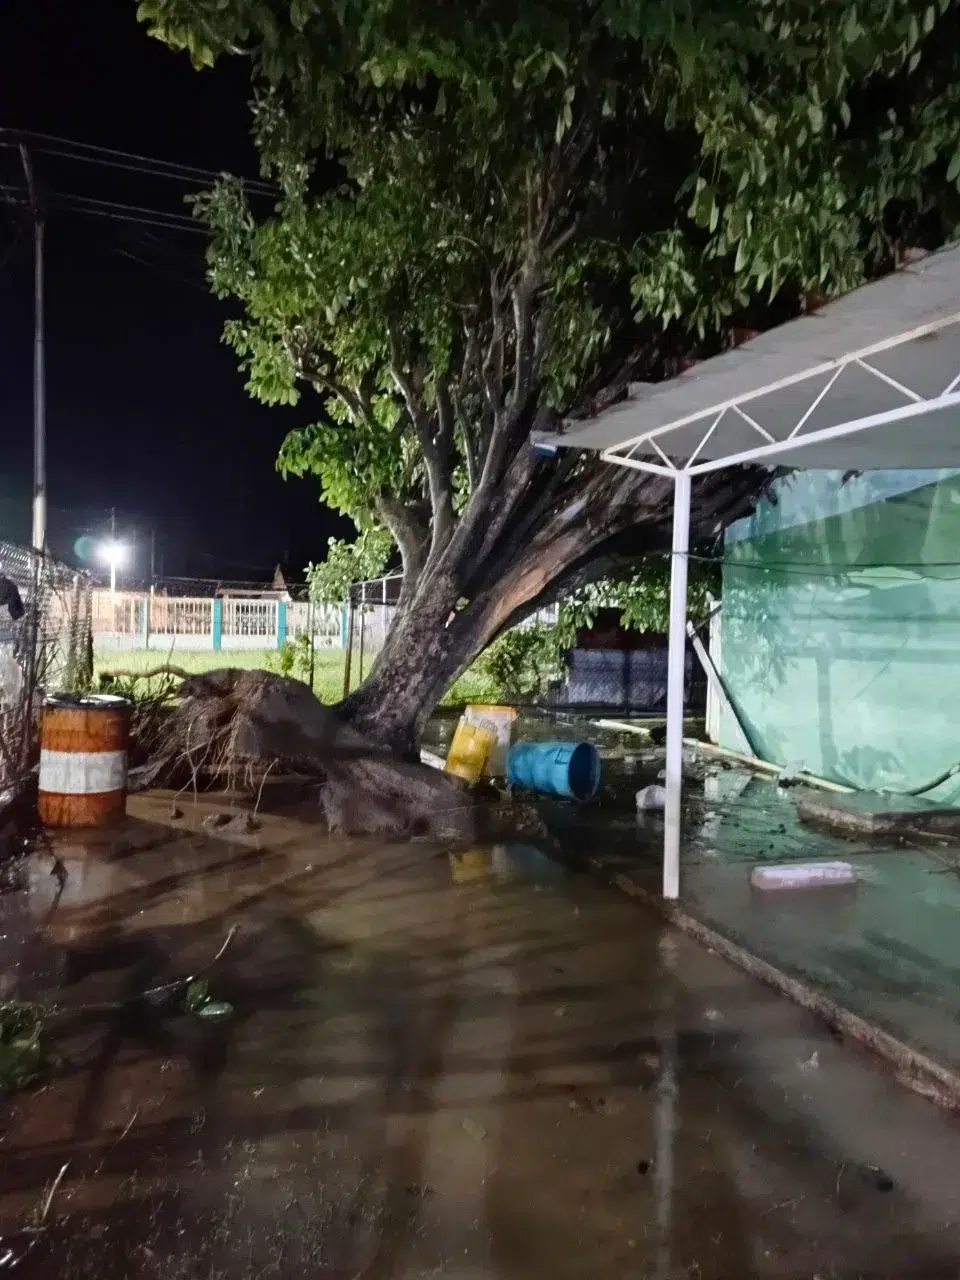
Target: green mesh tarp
(841, 627)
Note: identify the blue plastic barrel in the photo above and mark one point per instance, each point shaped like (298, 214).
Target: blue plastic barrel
(556, 768)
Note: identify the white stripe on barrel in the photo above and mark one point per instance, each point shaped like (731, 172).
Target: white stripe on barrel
(82, 773)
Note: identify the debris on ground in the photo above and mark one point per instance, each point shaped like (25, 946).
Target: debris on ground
(232, 824)
(877, 1178)
(198, 1001)
(601, 1106)
(651, 799)
(874, 815)
(474, 1128)
(24, 1054)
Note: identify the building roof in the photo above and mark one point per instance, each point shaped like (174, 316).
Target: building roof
(870, 381)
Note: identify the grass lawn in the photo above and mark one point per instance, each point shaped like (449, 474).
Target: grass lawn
(328, 669)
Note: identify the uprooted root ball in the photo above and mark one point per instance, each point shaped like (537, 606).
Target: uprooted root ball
(237, 724)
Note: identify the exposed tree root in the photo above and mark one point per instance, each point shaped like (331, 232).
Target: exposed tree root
(177, 673)
(234, 724)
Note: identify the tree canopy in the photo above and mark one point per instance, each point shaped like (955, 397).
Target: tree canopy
(494, 213)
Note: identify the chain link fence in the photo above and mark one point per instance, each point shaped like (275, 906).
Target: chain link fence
(626, 680)
(45, 647)
(623, 674)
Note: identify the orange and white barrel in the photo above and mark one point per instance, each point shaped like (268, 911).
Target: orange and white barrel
(83, 760)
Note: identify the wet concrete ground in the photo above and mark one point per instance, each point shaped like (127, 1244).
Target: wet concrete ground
(487, 1069)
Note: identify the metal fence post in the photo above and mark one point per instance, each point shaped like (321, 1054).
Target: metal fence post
(312, 616)
(281, 623)
(363, 615)
(216, 617)
(349, 658)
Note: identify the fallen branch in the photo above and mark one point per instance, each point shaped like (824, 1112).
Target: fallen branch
(129, 1125)
(52, 1192)
(153, 992)
(10, 1259)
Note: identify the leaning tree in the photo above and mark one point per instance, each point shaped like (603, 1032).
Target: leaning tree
(492, 215)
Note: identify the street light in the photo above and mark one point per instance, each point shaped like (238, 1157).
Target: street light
(114, 554)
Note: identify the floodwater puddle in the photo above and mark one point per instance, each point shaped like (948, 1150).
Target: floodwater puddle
(477, 1066)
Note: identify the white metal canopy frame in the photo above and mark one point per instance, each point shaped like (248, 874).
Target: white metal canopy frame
(869, 382)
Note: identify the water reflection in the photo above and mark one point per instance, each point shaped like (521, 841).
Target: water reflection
(478, 1067)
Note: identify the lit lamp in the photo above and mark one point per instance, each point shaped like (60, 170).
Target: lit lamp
(114, 554)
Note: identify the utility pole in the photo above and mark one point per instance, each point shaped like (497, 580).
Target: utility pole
(113, 551)
(39, 372)
(153, 559)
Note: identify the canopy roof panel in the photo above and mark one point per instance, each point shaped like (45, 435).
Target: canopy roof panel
(871, 381)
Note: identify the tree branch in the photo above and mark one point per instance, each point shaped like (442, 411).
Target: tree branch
(439, 479)
(469, 442)
(445, 423)
(522, 296)
(469, 367)
(516, 512)
(314, 363)
(492, 367)
(410, 534)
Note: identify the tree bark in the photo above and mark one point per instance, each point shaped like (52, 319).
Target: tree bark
(412, 670)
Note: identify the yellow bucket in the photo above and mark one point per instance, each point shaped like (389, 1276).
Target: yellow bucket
(500, 721)
(469, 750)
(472, 865)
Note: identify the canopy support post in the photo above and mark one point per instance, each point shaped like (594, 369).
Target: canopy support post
(676, 674)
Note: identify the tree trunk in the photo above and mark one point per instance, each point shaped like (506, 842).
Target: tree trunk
(427, 646)
(472, 590)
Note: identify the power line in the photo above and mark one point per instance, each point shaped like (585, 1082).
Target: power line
(172, 166)
(117, 212)
(254, 188)
(95, 205)
(134, 221)
(160, 269)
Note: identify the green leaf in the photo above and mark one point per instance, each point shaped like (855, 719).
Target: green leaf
(703, 207)
(215, 1010)
(300, 12)
(197, 995)
(852, 30)
(953, 168)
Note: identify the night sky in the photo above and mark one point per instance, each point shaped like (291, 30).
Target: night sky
(146, 409)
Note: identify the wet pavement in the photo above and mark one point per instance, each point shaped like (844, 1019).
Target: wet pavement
(481, 1067)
